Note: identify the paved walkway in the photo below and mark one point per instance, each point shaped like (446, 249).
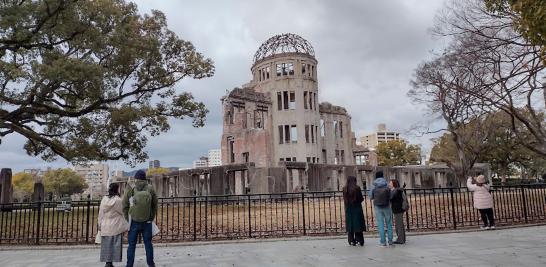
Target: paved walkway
(510, 247)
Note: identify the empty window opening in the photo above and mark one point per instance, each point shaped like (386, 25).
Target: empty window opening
(293, 134)
(246, 157)
(335, 128)
(285, 99)
(305, 99)
(306, 133)
(229, 115)
(292, 104)
(287, 134)
(258, 119)
(341, 129)
(279, 100)
(321, 127)
(230, 149)
(281, 130)
(324, 156)
(312, 134)
(290, 68)
(284, 69)
(245, 119)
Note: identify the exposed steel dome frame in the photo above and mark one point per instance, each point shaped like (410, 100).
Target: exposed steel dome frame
(284, 43)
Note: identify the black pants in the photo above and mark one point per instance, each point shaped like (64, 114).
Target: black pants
(487, 217)
(356, 237)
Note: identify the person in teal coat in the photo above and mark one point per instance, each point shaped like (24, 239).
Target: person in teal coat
(354, 216)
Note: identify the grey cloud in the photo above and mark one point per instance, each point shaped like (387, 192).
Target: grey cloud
(367, 51)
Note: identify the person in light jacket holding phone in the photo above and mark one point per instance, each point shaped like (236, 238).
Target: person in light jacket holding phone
(112, 225)
(483, 201)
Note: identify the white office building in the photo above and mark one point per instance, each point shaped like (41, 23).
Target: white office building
(215, 157)
(202, 162)
(382, 135)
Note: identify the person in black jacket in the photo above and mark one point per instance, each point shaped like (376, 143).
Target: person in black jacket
(398, 212)
(354, 216)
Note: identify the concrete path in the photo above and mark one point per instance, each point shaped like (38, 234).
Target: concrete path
(510, 247)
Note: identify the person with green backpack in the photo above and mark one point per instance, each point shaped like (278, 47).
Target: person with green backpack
(139, 208)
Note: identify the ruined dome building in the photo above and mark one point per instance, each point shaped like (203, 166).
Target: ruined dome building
(276, 117)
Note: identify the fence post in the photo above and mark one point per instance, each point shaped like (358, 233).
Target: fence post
(88, 224)
(453, 216)
(194, 218)
(249, 219)
(206, 216)
(303, 209)
(38, 222)
(524, 202)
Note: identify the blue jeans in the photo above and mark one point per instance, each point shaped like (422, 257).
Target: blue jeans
(145, 229)
(384, 215)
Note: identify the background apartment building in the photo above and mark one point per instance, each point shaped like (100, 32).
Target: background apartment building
(154, 164)
(96, 176)
(382, 135)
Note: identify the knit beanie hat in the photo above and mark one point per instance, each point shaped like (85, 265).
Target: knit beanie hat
(140, 175)
(480, 179)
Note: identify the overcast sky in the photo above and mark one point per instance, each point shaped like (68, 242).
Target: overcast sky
(367, 51)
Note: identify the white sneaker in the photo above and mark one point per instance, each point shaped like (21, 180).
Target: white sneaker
(492, 227)
(484, 227)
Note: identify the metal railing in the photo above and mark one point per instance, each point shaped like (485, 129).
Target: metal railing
(269, 215)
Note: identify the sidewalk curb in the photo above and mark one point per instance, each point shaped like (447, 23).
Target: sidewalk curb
(250, 241)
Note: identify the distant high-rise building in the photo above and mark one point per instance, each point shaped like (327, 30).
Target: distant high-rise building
(201, 162)
(96, 176)
(154, 164)
(215, 157)
(382, 135)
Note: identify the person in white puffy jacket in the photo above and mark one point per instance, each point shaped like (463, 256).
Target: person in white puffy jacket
(112, 225)
(483, 201)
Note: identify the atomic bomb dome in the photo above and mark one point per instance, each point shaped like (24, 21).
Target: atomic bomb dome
(284, 43)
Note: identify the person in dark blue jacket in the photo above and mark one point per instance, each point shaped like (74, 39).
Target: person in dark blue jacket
(381, 196)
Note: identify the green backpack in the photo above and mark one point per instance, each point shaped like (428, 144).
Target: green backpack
(141, 206)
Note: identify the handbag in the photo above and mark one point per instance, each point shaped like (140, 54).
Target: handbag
(155, 229)
(98, 237)
(405, 202)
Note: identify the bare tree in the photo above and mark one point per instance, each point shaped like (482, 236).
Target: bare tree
(508, 71)
(438, 84)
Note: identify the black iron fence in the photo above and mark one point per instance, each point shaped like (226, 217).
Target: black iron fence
(268, 215)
